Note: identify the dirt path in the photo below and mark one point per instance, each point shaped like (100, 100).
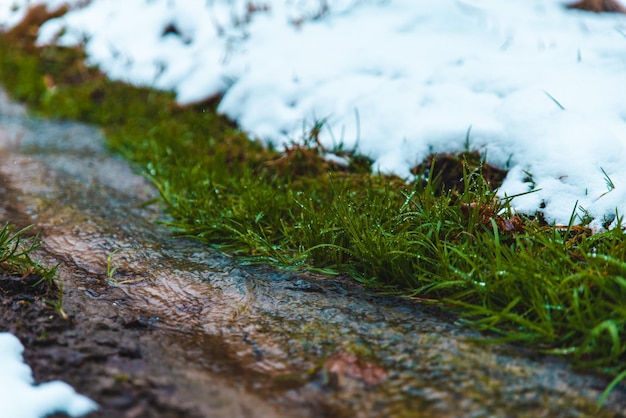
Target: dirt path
(105, 350)
(178, 330)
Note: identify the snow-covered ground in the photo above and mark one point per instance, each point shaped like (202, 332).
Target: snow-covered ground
(542, 88)
(20, 399)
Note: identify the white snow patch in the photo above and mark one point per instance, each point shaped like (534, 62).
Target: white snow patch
(541, 87)
(19, 398)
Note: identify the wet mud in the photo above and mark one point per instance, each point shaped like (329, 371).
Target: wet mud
(163, 325)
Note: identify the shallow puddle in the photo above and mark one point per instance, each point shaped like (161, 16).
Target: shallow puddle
(254, 341)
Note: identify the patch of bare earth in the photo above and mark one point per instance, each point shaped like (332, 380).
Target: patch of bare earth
(100, 353)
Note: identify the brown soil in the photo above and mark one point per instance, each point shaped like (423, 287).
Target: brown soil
(598, 6)
(102, 359)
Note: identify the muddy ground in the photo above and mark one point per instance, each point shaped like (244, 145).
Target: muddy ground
(180, 330)
(99, 353)
(105, 350)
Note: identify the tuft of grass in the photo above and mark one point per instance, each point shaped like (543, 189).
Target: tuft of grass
(557, 288)
(15, 251)
(110, 268)
(610, 186)
(16, 261)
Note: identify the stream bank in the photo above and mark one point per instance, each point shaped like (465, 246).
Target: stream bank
(163, 326)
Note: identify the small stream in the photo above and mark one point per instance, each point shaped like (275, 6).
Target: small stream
(274, 342)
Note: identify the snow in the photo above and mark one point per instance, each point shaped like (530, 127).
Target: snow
(20, 399)
(539, 88)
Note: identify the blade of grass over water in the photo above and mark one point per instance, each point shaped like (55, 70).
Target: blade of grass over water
(445, 235)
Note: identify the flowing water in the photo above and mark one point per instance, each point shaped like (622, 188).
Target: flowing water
(256, 341)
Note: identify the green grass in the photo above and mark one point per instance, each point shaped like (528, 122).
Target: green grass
(560, 290)
(15, 260)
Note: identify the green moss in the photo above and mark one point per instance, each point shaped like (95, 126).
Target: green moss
(560, 289)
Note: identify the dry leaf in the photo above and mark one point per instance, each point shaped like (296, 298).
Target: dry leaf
(347, 364)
